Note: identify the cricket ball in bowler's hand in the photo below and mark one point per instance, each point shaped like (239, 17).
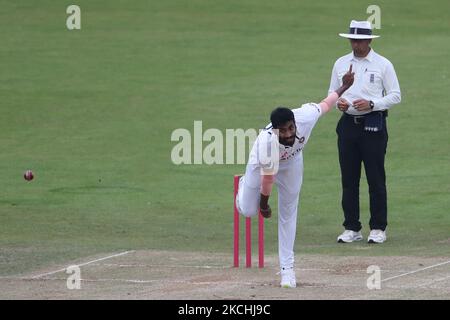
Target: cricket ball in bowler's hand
(28, 175)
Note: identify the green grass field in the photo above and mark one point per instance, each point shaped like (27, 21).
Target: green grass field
(91, 112)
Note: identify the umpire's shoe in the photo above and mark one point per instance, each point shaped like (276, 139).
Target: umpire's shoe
(349, 236)
(376, 236)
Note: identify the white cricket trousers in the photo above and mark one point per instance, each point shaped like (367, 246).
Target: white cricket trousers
(289, 181)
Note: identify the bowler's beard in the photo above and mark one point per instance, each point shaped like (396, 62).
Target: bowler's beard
(288, 141)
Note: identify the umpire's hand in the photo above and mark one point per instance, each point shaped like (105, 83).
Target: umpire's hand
(343, 104)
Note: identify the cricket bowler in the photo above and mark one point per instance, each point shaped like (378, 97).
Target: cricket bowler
(291, 129)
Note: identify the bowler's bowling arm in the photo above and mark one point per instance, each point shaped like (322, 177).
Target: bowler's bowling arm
(329, 102)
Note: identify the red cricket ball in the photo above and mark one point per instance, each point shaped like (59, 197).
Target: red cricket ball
(28, 175)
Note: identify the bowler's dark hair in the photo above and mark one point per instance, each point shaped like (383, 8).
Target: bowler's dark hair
(280, 116)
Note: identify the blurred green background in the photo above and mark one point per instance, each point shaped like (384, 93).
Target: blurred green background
(91, 112)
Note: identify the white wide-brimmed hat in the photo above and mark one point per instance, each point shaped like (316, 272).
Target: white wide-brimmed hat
(359, 30)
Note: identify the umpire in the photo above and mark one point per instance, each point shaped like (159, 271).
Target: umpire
(362, 132)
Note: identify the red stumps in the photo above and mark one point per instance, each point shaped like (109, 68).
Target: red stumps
(248, 234)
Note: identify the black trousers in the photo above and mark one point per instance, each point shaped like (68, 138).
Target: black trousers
(358, 146)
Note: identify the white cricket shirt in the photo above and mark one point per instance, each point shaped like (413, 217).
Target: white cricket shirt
(375, 79)
(305, 119)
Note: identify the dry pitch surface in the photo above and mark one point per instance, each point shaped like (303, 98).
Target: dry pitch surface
(183, 275)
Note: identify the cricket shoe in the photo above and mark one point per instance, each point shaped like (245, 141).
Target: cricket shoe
(288, 278)
(376, 236)
(349, 236)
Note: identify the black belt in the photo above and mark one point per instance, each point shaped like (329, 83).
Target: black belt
(358, 119)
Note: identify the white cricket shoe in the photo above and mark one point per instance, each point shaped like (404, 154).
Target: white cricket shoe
(350, 236)
(288, 278)
(376, 236)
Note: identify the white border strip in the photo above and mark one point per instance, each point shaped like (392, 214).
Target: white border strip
(192, 282)
(434, 281)
(230, 267)
(83, 264)
(408, 273)
(158, 266)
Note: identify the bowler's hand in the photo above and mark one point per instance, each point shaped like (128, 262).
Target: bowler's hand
(343, 104)
(361, 105)
(267, 212)
(264, 207)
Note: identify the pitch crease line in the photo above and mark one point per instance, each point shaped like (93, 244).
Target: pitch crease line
(83, 264)
(415, 271)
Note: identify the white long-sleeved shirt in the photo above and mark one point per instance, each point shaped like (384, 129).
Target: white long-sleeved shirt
(375, 79)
